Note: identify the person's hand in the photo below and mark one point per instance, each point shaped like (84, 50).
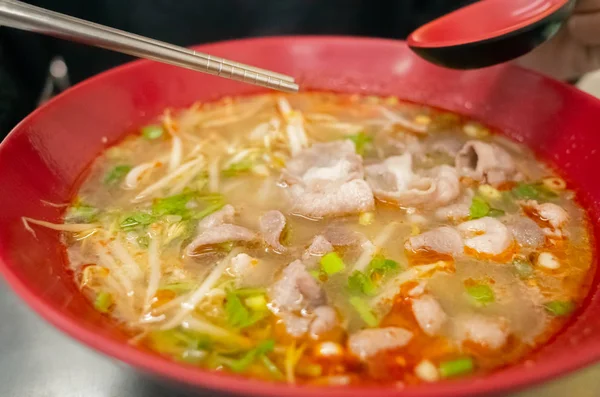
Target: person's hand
(575, 50)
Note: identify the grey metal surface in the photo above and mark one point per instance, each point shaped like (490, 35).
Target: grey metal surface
(38, 361)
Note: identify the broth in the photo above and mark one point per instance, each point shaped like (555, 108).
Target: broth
(329, 239)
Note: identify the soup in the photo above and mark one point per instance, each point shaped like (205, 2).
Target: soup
(328, 239)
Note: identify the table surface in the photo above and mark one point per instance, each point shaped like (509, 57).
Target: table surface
(38, 361)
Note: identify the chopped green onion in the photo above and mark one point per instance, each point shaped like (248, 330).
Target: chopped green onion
(81, 213)
(479, 208)
(461, 366)
(481, 293)
(103, 302)
(245, 292)
(366, 218)
(523, 267)
(173, 205)
(331, 263)
(382, 265)
(153, 131)
(361, 142)
(212, 208)
(533, 191)
(358, 282)
(559, 308)
(257, 302)
(116, 174)
(364, 311)
(137, 219)
(247, 359)
(238, 315)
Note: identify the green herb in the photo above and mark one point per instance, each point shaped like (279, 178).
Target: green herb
(523, 267)
(245, 292)
(358, 282)
(153, 131)
(240, 167)
(533, 191)
(331, 263)
(479, 208)
(247, 359)
(143, 241)
(382, 265)
(361, 141)
(238, 315)
(103, 302)
(137, 219)
(210, 209)
(481, 293)
(115, 175)
(364, 311)
(461, 366)
(173, 205)
(559, 308)
(81, 213)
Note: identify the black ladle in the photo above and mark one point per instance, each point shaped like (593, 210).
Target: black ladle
(489, 32)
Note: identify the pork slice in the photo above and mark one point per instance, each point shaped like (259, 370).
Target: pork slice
(429, 314)
(295, 325)
(485, 331)
(449, 146)
(250, 272)
(325, 319)
(444, 240)
(224, 215)
(485, 162)
(318, 247)
(393, 180)
(486, 235)
(272, 225)
(526, 232)
(458, 210)
(296, 289)
(556, 216)
(332, 200)
(220, 234)
(328, 162)
(339, 235)
(369, 342)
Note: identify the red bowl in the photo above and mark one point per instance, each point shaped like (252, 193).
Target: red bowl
(46, 154)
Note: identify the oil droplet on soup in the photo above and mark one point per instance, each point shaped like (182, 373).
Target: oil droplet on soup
(329, 239)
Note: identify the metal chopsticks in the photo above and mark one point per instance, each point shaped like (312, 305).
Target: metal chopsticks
(27, 17)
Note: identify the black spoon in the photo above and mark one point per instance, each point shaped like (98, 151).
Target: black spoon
(489, 32)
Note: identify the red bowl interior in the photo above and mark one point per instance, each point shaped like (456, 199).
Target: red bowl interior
(45, 155)
(483, 20)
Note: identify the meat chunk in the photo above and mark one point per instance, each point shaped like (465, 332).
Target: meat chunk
(429, 314)
(393, 180)
(272, 224)
(332, 200)
(339, 235)
(449, 146)
(488, 332)
(325, 319)
(224, 215)
(326, 179)
(250, 272)
(485, 162)
(369, 342)
(458, 210)
(444, 240)
(486, 235)
(526, 232)
(296, 290)
(319, 247)
(220, 234)
(295, 325)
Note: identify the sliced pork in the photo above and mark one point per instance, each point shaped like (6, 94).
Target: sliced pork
(429, 314)
(224, 215)
(488, 332)
(318, 247)
(296, 289)
(526, 232)
(443, 240)
(551, 214)
(220, 234)
(326, 180)
(485, 162)
(272, 225)
(369, 342)
(458, 210)
(393, 180)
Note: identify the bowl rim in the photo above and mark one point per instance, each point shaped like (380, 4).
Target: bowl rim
(188, 375)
